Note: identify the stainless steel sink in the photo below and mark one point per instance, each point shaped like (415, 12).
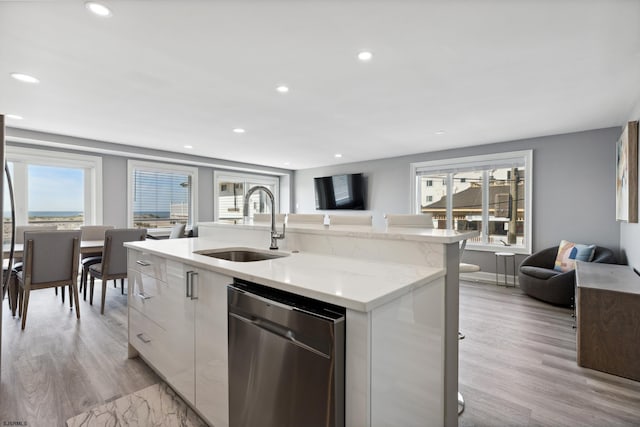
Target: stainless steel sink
(241, 254)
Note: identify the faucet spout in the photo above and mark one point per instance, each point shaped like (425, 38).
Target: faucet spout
(275, 236)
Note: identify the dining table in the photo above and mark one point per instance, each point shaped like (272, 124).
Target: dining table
(86, 247)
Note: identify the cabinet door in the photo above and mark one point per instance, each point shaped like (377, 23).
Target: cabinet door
(212, 382)
(179, 324)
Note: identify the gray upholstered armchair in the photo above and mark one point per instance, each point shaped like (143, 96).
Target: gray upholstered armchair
(538, 279)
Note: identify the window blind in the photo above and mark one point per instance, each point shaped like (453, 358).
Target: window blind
(161, 198)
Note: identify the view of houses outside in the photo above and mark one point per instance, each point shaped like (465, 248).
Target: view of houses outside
(231, 200)
(505, 204)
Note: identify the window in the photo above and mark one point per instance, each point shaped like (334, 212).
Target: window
(230, 189)
(491, 194)
(52, 187)
(161, 195)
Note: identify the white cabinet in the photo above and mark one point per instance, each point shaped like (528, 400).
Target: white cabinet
(178, 323)
(212, 383)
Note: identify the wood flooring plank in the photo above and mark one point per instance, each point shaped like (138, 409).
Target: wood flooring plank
(59, 367)
(518, 358)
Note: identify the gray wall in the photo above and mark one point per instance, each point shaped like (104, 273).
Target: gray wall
(114, 169)
(630, 233)
(573, 188)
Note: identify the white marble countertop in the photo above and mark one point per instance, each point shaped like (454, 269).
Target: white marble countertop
(430, 235)
(352, 283)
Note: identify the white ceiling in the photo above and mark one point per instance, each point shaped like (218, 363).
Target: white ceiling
(163, 74)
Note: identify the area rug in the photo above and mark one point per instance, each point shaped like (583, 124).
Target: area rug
(157, 405)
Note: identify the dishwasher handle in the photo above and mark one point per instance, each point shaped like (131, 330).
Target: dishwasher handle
(278, 330)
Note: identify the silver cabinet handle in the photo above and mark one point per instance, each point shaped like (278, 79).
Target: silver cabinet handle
(143, 296)
(143, 263)
(189, 284)
(193, 273)
(143, 338)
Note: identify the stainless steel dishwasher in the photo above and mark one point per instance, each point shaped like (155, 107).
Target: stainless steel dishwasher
(286, 359)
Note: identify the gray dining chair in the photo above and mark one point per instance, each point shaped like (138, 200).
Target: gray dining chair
(17, 261)
(90, 232)
(177, 232)
(114, 259)
(50, 260)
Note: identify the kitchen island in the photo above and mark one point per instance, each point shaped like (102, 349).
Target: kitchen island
(399, 290)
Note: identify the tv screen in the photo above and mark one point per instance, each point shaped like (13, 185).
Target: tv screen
(340, 192)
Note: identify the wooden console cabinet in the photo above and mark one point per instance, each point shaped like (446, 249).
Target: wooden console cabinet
(608, 318)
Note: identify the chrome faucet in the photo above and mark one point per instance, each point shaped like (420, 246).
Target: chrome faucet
(275, 236)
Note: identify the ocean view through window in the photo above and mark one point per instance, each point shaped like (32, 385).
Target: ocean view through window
(160, 195)
(53, 188)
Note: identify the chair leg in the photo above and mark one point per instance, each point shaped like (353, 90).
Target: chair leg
(25, 308)
(115, 283)
(70, 297)
(84, 284)
(104, 295)
(74, 287)
(20, 295)
(62, 292)
(13, 294)
(56, 291)
(122, 286)
(91, 290)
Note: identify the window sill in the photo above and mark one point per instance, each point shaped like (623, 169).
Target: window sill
(498, 248)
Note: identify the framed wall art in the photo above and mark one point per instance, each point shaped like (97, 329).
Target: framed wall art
(627, 174)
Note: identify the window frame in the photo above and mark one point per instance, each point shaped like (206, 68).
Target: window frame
(481, 162)
(133, 165)
(235, 176)
(22, 157)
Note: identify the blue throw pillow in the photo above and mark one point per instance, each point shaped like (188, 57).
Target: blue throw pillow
(569, 253)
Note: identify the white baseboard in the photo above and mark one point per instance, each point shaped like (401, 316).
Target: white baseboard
(487, 277)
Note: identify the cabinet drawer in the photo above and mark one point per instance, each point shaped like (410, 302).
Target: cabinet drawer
(150, 340)
(149, 264)
(163, 302)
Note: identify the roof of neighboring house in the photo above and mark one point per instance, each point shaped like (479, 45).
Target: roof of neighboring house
(471, 198)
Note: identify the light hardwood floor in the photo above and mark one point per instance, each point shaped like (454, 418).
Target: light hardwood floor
(517, 364)
(59, 367)
(518, 367)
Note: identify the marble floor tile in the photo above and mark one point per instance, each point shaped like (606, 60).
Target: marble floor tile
(157, 405)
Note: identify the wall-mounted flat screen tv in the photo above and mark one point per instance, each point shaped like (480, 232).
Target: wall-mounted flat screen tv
(340, 192)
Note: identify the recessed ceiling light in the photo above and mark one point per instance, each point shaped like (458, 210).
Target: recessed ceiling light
(440, 132)
(282, 89)
(24, 78)
(239, 130)
(365, 56)
(98, 9)
(287, 163)
(337, 155)
(14, 117)
(188, 146)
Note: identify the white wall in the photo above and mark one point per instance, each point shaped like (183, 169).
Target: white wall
(630, 233)
(573, 188)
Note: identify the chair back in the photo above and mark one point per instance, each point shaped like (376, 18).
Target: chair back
(350, 220)
(94, 232)
(177, 231)
(51, 256)
(20, 229)
(411, 221)
(114, 258)
(305, 219)
(266, 217)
